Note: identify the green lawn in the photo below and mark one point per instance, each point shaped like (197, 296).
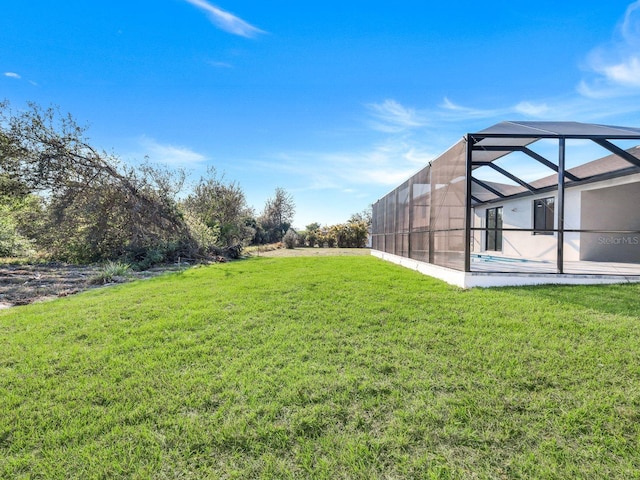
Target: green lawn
(325, 367)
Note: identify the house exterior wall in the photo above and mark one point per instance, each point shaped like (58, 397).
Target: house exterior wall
(518, 213)
(615, 204)
(612, 208)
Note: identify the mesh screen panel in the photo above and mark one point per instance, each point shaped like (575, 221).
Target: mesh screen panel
(424, 217)
(402, 220)
(448, 190)
(419, 211)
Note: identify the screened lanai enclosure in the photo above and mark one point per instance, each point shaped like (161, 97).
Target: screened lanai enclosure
(518, 203)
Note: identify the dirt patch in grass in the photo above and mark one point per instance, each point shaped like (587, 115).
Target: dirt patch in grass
(21, 284)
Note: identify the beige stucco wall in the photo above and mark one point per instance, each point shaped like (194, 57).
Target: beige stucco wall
(612, 208)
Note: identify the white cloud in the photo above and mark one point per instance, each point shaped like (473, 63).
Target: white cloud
(385, 164)
(221, 64)
(17, 76)
(532, 109)
(615, 68)
(409, 142)
(170, 154)
(392, 117)
(227, 21)
(626, 73)
(455, 112)
(449, 105)
(417, 155)
(630, 28)
(404, 122)
(598, 90)
(585, 107)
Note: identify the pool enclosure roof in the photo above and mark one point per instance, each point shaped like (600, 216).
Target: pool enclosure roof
(536, 130)
(508, 137)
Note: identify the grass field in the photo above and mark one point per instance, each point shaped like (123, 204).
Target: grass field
(324, 367)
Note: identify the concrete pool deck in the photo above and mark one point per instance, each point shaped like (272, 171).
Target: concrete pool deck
(498, 272)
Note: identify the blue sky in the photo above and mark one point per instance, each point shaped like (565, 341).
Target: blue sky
(335, 101)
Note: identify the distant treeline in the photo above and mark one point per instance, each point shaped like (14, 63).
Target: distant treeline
(62, 198)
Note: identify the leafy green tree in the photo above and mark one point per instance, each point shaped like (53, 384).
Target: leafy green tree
(290, 238)
(12, 242)
(221, 206)
(311, 234)
(92, 207)
(352, 234)
(277, 216)
(302, 238)
(364, 216)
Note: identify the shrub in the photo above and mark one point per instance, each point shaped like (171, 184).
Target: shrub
(111, 272)
(302, 239)
(312, 238)
(233, 251)
(350, 235)
(205, 236)
(290, 238)
(12, 244)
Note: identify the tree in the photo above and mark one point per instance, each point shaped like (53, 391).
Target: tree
(222, 207)
(311, 234)
(352, 234)
(290, 238)
(364, 216)
(277, 215)
(302, 238)
(12, 243)
(92, 207)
